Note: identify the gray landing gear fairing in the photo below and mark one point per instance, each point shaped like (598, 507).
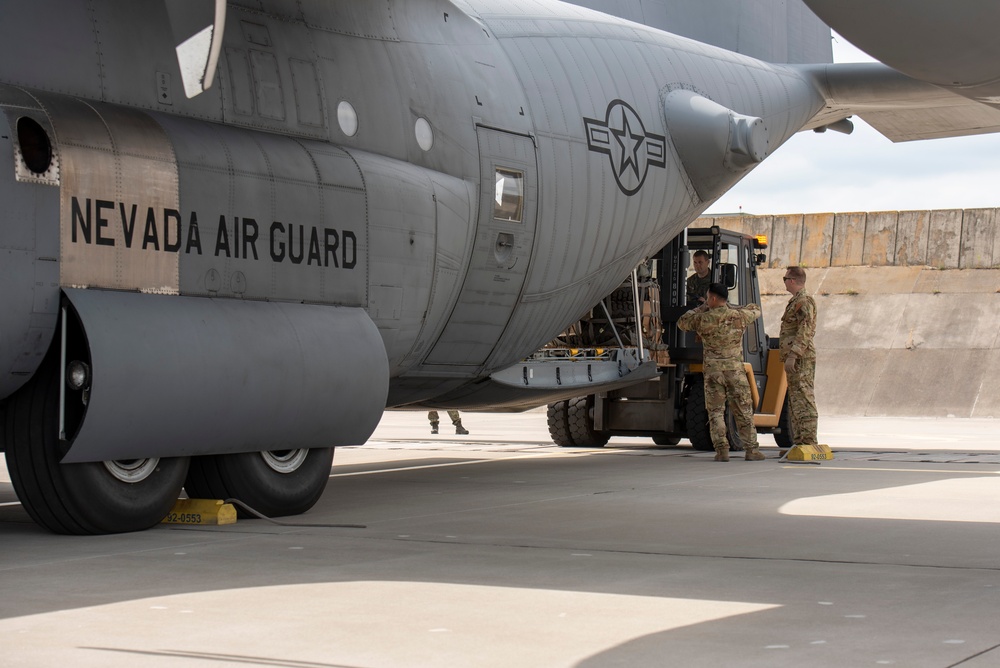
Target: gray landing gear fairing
(84, 498)
(106, 433)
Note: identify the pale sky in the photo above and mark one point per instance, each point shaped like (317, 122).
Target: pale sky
(864, 171)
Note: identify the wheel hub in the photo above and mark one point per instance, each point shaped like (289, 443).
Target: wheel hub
(284, 461)
(132, 470)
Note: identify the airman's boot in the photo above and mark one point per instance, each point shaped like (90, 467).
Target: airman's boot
(459, 429)
(434, 427)
(754, 455)
(721, 455)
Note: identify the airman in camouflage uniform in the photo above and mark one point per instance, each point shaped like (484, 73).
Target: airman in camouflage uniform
(721, 328)
(456, 420)
(696, 285)
(798, 327)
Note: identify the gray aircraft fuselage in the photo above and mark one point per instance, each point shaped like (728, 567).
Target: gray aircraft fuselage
(375, 204)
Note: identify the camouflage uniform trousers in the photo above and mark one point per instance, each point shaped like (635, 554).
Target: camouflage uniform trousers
(731, 384)
(455, 417)
(802, 402)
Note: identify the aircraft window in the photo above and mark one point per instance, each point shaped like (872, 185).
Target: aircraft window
(424, 134)
(347, 118)
(509, 201)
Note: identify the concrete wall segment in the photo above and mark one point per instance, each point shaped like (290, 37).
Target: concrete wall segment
(996, 240)
(957, 281)
(944, 239)
(978, 234)
(846, 381)
(738, 223)
(817, 240)
(987, 402)
(785, 241)
(932, 383)
(772, 307)
(911, 237)
(865, 280)
(848, 244)
(861, 280)
(854, 322)
(880, 238)
(759, 225)
(947, 321)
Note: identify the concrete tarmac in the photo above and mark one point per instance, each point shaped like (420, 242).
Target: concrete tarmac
(499, 549)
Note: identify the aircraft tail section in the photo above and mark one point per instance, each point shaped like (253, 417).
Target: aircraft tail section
(776, 31)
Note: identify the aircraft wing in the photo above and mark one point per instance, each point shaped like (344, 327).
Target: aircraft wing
(947, 50)
(898, 106)
(776, 31)
(949, 44)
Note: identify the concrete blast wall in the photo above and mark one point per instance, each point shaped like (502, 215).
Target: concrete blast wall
(909, 307)
(947, 239)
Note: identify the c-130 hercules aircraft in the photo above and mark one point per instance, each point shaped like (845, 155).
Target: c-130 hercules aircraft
(234, 233)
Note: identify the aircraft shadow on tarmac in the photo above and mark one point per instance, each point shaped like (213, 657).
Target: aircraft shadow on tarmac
(594, 502)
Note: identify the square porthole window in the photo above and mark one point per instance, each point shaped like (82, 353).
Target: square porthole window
(508, 203)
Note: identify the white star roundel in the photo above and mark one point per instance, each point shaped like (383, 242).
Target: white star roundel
(623, 138)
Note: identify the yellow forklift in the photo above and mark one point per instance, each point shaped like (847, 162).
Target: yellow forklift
(642, 314)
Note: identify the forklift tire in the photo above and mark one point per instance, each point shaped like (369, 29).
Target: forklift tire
(572, 426)
(783, 437)
(696, 417)
(732, 433)
(558, 425)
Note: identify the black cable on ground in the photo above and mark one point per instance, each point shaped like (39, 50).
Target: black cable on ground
(237, 502)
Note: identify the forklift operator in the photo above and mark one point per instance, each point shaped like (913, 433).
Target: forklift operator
(697, 283)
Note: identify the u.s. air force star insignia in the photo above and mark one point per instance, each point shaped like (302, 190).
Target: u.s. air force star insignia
(631, 150)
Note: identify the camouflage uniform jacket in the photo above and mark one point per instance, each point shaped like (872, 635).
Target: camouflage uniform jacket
(697, 287)
(721, 330)
(798, 327)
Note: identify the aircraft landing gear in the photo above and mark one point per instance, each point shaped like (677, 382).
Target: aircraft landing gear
(88, 498)
(274, 483)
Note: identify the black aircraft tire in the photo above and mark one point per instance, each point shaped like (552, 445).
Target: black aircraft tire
(581, 425)
(621, 303)
(664, 439)
(84, 498)
(784, 438)
(696, 417)
(274, 484)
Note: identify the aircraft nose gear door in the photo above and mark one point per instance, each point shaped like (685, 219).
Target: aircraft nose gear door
(506, 231)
